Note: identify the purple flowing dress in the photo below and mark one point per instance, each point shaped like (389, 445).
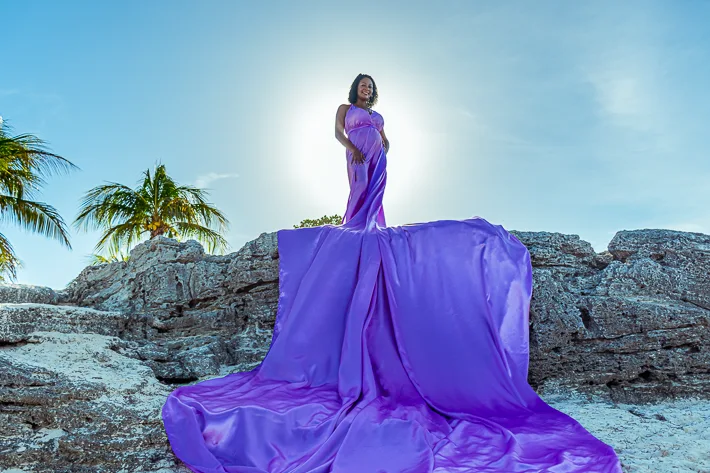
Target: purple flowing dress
(395, 350)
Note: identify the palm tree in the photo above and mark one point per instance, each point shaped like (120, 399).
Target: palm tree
(25, 162)
(158, 206)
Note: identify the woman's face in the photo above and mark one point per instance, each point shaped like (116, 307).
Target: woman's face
(364, 89)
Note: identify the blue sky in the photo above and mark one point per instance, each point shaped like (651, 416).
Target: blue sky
(576, 117)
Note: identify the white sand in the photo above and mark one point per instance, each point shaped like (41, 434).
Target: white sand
(669, 436)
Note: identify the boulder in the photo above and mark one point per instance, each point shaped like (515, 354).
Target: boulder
(632, 320)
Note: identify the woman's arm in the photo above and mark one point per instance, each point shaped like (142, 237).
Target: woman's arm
(340, 128)
(385, 141)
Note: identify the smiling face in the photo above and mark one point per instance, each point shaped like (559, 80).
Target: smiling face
(364, 89)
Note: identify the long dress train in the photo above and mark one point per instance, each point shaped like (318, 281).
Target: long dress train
(395, 350)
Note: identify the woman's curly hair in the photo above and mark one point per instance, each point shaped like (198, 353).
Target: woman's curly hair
(352, 98)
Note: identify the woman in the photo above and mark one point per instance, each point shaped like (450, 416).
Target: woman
(395, 349)
(366, 146)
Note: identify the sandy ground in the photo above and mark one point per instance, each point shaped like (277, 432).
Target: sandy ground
(669, 436)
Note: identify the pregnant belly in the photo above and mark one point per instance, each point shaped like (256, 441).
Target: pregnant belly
(366, 139)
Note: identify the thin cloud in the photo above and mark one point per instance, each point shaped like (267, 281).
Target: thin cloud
(206, 179)
(629, 96)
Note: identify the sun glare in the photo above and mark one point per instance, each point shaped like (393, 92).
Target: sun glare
(317, 160)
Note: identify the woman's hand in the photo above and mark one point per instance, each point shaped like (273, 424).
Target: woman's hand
(358, 157)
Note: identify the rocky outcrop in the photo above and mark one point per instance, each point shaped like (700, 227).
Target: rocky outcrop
(192, 314)
(85, 370)
(633, 320)
(70, 403)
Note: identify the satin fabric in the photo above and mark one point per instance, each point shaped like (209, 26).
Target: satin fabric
(395, 350)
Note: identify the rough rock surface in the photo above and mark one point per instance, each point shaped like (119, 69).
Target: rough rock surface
(27, 293)
(192, 314)
(84, 370)
(70, 403)
(633, 320)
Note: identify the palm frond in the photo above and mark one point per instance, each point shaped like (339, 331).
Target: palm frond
(119, 237)
(213, 240)
(105, 204)
(25, 162)
(9, 262)
(112, 257)
(32, 149)
(33, 216)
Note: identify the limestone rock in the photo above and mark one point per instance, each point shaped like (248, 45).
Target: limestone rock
(85, 370)
(19, 320)
(19, 293)
(633, 320)
(200, 312)
(70, 403)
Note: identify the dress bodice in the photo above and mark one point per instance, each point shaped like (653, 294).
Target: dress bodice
(357, 117)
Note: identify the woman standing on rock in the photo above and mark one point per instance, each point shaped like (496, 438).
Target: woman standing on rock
(395, 349)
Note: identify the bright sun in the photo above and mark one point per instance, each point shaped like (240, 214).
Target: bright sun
(318, 163)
